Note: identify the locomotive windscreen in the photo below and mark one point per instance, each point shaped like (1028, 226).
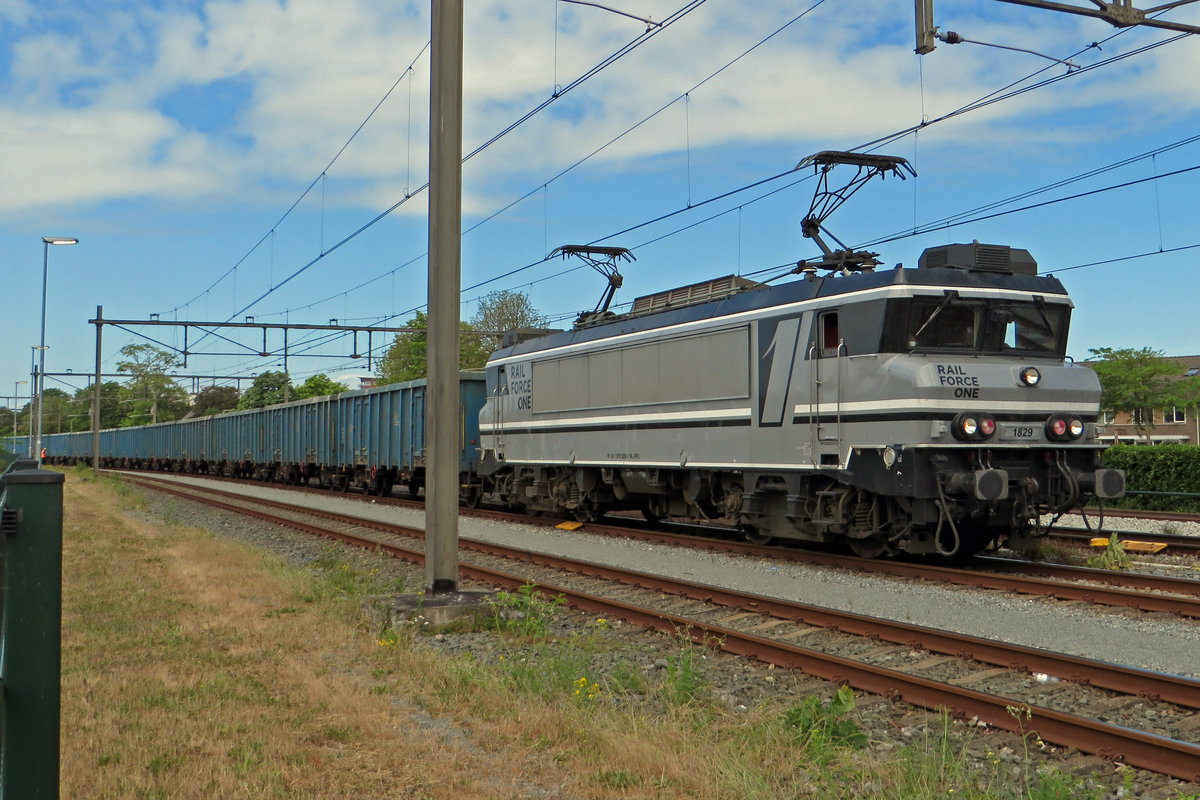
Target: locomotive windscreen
(982, 326)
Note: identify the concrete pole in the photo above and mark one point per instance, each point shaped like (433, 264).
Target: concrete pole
(445, 234)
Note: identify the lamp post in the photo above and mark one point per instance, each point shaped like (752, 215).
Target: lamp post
(41, 371)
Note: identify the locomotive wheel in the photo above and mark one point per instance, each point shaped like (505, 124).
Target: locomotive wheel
(869, 547)
(753, 536)
(472, 497)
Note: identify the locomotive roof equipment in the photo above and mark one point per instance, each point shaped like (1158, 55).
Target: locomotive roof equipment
(603, 260)
(826, 201)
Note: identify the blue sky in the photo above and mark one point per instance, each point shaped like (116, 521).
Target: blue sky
(177, 140)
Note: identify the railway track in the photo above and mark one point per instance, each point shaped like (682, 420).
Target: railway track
(1120, 589)
(1150, 722)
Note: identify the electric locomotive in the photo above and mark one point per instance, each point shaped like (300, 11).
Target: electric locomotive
(925, 411)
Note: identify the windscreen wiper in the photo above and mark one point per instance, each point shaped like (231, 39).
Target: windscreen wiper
(951, 296)
(1039, 303)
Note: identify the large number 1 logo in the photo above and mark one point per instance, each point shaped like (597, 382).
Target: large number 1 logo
(777, 342)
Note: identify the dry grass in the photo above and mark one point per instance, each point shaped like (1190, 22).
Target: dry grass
(198, 668)
(192, 669)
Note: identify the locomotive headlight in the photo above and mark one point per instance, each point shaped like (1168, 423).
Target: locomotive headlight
(968, 427)
(1075, 428)
(1030, 376)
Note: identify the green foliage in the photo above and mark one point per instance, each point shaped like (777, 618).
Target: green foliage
(215, 399)
(1169, 468)
(1141, 379)
(1114, 556)
(526, 612)
(820, 725)
(153, 396)
(405, 360)
(317, 386)
(504, 311)
(266, 390)
(685, 683)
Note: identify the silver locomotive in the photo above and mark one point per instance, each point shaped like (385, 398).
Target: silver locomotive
(925, 411)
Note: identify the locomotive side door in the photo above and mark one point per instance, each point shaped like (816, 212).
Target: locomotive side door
(781, 358)
(826, 363)
(499, 396)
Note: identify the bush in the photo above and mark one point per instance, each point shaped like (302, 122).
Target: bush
(1168, 469)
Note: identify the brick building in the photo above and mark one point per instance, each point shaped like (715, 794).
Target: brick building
(1174, 425)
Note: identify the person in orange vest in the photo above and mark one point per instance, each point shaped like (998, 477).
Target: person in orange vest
(43, 454)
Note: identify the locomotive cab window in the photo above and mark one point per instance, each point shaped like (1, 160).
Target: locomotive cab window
(963, 324)
(500, 385)
(829, 332)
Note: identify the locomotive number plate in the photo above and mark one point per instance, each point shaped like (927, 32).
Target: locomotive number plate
(1018, 432)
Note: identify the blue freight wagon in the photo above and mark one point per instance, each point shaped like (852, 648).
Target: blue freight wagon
(369, 440)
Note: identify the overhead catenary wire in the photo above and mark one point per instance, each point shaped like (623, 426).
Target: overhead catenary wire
(979, 104)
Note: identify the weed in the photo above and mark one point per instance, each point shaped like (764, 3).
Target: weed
(820, 725)
(389, 638)
(626, 678)
(618, 778)
(546, 671)
(340, 733)
(1114, 556)
(526, 612)
(684, 683)
(164, 762)
(586, 691)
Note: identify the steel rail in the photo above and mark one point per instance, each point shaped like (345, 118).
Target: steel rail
(1183, 598)
(1138, 748)
(1172, 540)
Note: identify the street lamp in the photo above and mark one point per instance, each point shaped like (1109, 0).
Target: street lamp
(41, 372)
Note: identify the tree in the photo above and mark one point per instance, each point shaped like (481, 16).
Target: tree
(505, 311)
(111, 409)
(148, 365)
(266, 390)
(215, 399)
(405, 360)
(317, 386)
(1139, 381)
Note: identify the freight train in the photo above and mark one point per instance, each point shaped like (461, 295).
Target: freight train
(930, 411)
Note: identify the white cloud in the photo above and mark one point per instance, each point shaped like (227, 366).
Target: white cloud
(86, 104)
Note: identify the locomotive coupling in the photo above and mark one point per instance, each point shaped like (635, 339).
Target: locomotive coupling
(983, 484)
